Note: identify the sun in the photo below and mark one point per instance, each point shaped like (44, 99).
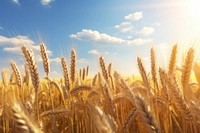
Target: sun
(189, 20)
(192, 9)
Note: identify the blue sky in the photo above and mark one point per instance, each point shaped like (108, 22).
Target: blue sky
(118, 30)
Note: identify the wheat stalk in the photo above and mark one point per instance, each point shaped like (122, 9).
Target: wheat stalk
(105, 103)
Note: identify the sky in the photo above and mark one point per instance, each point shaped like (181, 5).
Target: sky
(118, 30)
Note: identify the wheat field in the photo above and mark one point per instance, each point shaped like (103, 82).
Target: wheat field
(163, 101)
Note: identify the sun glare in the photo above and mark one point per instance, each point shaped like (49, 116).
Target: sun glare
(189, 21)
(192, 9)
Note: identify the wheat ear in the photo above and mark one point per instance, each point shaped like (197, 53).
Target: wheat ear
(24, 124)
(65, 73)
(103, 69)
(73, 66)
(80, 74)
(94, 80)
(4, 77)
(80, 88)
(145, 115)
(185, 78)
(172, 62)
(28, 54)
(101, 122)
(16, 73)
(84, 73)
(177, 97)
(129, 119)
(55, 113)
(45, 58)
(143, 73)
(153, 68)
(27, 77)
(164, 84)
(87, 70)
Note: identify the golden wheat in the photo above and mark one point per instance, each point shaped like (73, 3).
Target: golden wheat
(46, 63)
(167, 101)
(16, 73)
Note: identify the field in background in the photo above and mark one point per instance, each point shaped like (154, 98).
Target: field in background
(159, 101)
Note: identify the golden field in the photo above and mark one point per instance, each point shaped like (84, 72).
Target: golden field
(161, 101)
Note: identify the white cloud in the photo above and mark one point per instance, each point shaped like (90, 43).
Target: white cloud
(124, 27)
(95, 36)
(38, 58)
(146, 31)
(139, 41)
(164, 51)
(12, 49)
(37, 48)
(55, 60)
(94, 51)
(134, 16)
(129, 37)
(16, 2)
(82, 60)
(157, 24)
(146, 59)
(18, 40)
(107, 52)
(55, 74)
(110, 53)
(46, 2)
